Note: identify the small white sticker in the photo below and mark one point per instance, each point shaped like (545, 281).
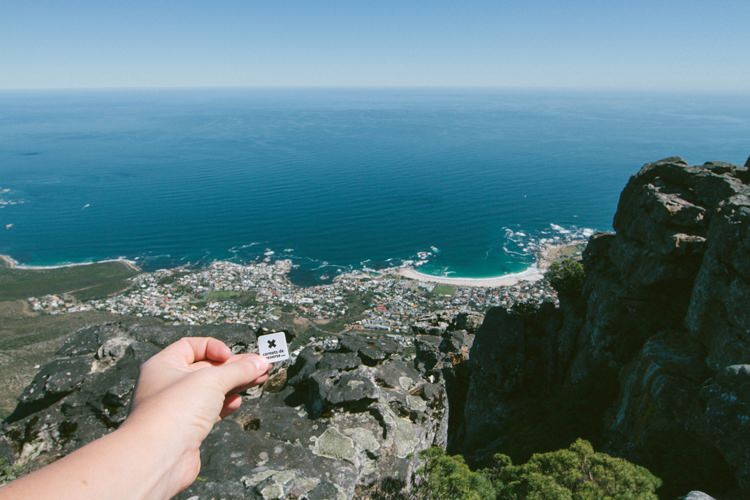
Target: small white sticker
(273, 347)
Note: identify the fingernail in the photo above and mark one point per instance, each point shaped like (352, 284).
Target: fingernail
(261, 363)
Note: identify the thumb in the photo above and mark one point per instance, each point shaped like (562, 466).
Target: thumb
(240, 370)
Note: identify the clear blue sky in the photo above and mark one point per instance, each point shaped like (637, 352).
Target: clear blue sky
(654, 44)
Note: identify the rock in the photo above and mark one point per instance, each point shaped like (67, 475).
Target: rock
(327, 426)
(333, 444)
(650, 360)
(724, 401)
(370, 352)
(469, 321)
(276, 380)
(339, 361)
(718, 312)
(697, 495)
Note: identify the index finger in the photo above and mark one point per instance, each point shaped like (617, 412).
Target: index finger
(191, 349)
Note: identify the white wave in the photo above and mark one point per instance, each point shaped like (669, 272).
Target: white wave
(559, 229)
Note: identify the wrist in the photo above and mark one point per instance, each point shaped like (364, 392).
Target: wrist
(165, 462)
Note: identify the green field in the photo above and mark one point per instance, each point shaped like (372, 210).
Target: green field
(443, 291)
(84, 282)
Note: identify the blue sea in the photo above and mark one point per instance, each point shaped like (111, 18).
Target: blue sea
(334, 179)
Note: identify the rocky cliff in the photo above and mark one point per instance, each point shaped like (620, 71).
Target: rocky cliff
(347, 418)
(650, 359)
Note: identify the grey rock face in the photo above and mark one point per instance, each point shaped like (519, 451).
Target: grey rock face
(652, 366)
(697, 495)
(347, 417)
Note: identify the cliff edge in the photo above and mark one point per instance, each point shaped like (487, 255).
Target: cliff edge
(650, 359)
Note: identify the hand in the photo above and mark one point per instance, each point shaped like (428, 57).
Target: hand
(184, 390)
(181, 393)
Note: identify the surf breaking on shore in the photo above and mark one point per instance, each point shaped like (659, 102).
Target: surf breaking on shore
(533, 273)
(545, 256)
(10, 262)
(544, 246)
(545, 249)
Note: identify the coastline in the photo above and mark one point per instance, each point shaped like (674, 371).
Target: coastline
(535, 272)
(9, 262)
(531, 274)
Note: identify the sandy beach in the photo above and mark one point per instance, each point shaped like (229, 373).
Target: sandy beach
(8, 261)
(535, 272)
(531, 274)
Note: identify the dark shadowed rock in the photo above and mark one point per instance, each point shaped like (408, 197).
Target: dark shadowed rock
(649, 363)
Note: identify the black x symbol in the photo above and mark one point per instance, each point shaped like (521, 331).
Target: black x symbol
(271, 344)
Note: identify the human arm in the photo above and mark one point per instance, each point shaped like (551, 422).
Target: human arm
(181, 393)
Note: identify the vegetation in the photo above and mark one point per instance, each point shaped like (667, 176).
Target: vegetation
(356, 303)
(84, 282)
(575, 473)
(244, 299)
(8, 472)
(442, 290)
(566, 276)
(524, 309)
(445, 477)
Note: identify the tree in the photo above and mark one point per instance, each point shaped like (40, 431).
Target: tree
(575, 473)
(445, 477)
(566, 276)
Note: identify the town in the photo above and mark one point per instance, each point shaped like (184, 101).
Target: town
(256, 293)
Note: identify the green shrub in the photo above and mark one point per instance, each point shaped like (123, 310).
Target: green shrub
(524, 309)
(566, 276)
(576, 473)
(445, 477)
(8, 472)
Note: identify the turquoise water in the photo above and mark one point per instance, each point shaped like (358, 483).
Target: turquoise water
(335, 179)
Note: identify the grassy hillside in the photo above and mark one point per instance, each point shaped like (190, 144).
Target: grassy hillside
(84, 282)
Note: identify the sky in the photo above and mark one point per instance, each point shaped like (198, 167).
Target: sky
(583, 44)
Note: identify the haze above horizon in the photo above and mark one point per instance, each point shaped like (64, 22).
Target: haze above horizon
(637, 45)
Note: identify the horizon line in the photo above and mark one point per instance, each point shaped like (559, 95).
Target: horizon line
(743, 90)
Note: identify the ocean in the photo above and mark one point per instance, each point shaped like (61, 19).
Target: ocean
(334, 179)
